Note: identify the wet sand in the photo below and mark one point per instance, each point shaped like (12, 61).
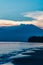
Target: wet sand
(21, 54)
(35, 59)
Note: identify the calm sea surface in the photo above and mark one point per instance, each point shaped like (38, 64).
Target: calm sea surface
(15, 50)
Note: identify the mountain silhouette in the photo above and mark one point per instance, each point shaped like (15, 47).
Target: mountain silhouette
(19, 33)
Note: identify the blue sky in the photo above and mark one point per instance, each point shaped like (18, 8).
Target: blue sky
(12, 9)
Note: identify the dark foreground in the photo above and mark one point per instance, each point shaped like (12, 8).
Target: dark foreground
(35, 59)
(21, 54)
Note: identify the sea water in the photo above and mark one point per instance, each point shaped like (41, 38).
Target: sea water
(11, 50)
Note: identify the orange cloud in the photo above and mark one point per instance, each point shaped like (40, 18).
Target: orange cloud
(37, 15)
(12, 23)
(15, 23)
(8, 23)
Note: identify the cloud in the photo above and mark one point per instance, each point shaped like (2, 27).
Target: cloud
(38, 17)
(8, 23)
(12, 23)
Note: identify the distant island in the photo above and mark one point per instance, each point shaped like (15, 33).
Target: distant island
(36, 39)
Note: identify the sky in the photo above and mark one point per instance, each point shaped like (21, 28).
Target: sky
(21, 11)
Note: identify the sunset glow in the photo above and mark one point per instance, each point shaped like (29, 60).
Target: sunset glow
(15, 23)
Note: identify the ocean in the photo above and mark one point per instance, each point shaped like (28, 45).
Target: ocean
(21, 53)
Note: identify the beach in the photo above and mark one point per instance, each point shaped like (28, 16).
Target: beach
(21, 53)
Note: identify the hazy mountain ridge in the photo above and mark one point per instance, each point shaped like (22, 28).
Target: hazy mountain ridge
(19, 33)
